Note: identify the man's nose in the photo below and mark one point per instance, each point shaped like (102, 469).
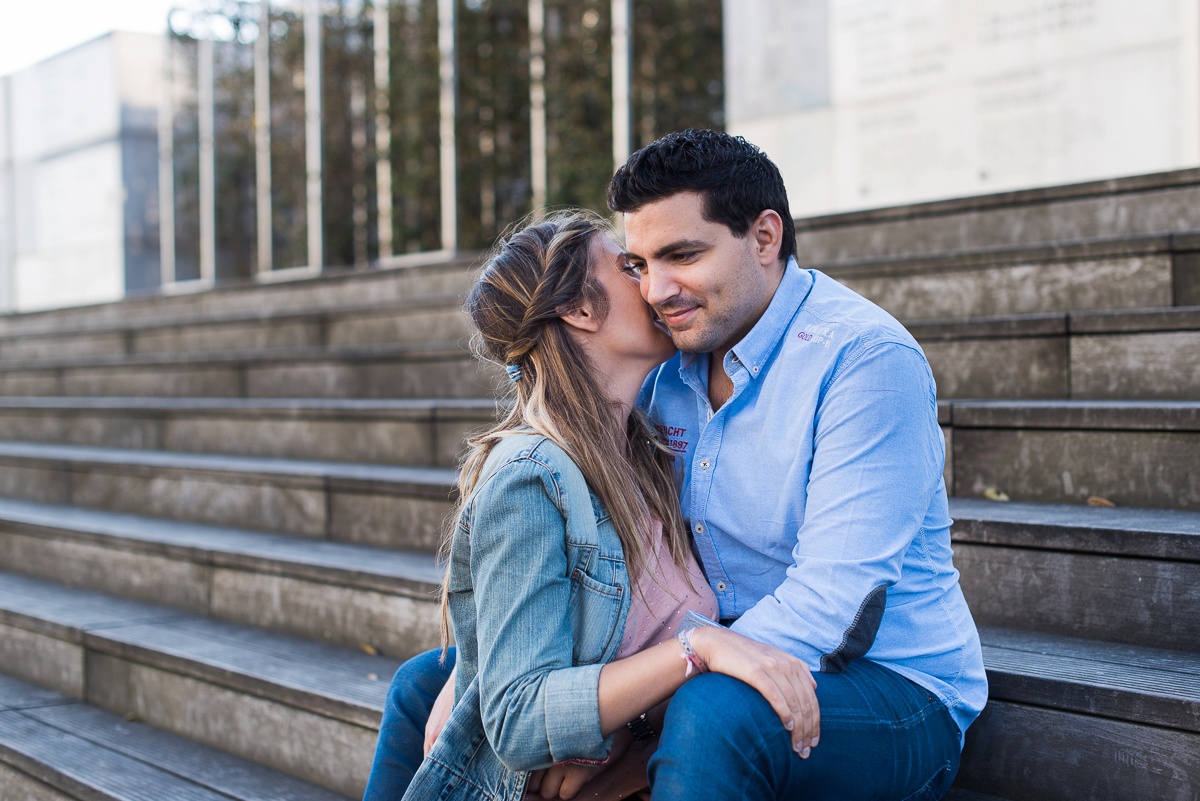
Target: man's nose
(657, 286)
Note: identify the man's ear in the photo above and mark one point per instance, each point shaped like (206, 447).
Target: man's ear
(767, 230)
(583, 317)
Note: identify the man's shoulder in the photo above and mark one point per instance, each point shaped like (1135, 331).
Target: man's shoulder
(835, 315)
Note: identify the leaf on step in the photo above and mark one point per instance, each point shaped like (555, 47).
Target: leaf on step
(368, 648)
(993, 494)
(1096, 500)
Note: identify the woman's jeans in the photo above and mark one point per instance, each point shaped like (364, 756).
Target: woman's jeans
(882, 737)
(401, 744)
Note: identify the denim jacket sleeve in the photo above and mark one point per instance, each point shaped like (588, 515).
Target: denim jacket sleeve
(537, 708)
(876, 465)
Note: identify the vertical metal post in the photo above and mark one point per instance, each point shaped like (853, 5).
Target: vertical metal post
(537, 101)
(166, 166)
(208, 194)
(448, 106)
(622, 58)
(312, 131)
(262, 137)
(383, 129)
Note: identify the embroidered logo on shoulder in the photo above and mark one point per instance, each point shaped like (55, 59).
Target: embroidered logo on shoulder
(673, 437)
(817, 334)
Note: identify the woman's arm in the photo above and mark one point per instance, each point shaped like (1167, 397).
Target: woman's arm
(537, 707)
(631, 686)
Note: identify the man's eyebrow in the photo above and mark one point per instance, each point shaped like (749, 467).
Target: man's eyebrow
(673, 247)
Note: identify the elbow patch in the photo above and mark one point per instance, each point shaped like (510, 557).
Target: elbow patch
(859, 638)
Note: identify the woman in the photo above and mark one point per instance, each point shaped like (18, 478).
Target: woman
(569, 568)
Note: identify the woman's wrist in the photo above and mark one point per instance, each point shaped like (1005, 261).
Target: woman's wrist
(693, 629)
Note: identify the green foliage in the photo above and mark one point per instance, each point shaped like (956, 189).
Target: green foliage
(677, 71)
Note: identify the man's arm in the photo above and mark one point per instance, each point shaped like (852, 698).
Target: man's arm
(877, 460)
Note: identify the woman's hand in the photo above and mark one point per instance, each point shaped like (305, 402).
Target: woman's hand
(440, 712)
(782, 679)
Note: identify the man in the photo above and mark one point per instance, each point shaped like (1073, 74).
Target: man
(806, 423)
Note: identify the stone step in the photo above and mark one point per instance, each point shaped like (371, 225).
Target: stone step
(412, 277)
(432, 319)
(1147, 354)
(428, 370)
(1078, 719)
(1160, 203)
(383, 505)
(54, 748)
(310, 710)
(1133, 453)
(1098, 274)
(336, 592)
(405, 431)
(305, 708)
(1121, 575)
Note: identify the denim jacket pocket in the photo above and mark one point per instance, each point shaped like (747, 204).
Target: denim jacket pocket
(595, 614)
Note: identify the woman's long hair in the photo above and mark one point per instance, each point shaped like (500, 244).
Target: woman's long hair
(531, 279)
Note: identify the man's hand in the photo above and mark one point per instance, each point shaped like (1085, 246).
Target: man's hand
(783, 680)
(564, 780)
(440, 712)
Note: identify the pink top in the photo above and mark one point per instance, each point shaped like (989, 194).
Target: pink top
(662, 597)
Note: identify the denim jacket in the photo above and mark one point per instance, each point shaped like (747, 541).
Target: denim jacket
(539, 593)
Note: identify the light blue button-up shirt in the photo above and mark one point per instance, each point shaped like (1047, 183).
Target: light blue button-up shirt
(815, 494)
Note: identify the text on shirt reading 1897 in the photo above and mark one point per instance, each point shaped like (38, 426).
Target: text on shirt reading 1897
(672, 437)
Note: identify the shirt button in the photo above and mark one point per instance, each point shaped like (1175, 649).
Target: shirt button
(720, 586)
(699, 528)
(736, 360)
(705, 464)
(754, 369)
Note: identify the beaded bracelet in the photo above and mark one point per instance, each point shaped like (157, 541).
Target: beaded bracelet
(691, 622)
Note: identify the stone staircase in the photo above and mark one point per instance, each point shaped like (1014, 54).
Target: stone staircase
(218, 511)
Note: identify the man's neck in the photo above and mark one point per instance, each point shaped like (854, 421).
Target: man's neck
(720, 385)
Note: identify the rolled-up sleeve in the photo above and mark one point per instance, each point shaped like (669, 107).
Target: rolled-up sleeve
(876, 464)
(537, 709)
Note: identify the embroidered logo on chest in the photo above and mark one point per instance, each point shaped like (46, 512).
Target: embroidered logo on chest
(673, 437)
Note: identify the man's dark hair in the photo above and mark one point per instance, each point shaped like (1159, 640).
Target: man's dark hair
(735, 179)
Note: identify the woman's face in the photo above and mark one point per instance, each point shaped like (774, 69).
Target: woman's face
(630, 330)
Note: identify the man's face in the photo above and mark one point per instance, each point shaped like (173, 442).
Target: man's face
(708, 286)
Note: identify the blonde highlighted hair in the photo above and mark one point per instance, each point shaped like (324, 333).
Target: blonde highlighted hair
(532, 278)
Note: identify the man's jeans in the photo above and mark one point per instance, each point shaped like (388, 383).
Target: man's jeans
(882, 737)
(400, 748)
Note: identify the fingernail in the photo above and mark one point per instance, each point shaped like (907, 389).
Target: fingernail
(789, 725)
(813, 742)
(804, 754)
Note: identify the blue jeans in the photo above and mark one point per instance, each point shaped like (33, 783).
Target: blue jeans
(882, 737)
(400, 747)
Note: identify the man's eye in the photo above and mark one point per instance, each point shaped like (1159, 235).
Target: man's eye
(632, 269)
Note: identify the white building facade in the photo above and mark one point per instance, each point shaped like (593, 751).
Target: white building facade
(869, 103)
(78, 175)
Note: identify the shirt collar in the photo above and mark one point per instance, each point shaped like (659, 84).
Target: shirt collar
(756, 347)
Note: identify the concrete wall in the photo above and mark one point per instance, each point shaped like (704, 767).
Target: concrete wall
(82, 174)
(865, 103)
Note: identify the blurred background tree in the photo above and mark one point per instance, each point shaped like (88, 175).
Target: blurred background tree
(677, 82)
